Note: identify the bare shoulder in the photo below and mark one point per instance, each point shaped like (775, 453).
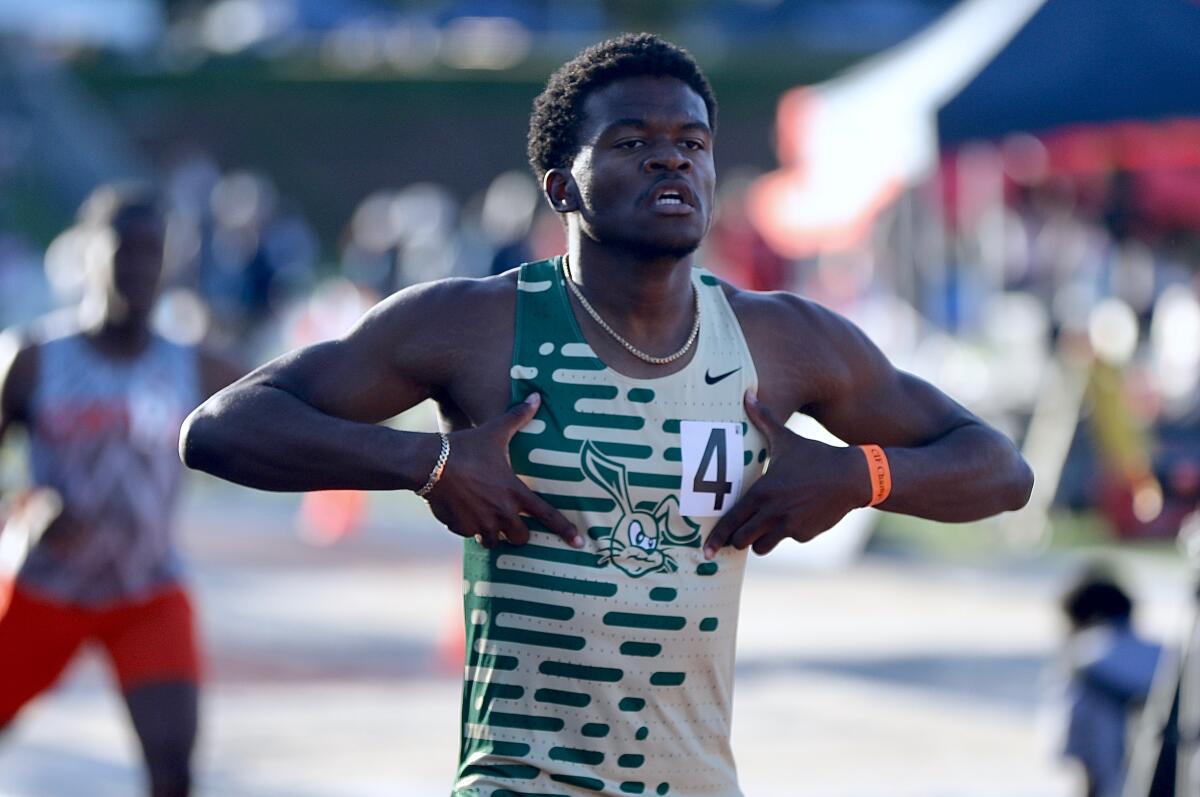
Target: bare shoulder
(19, 345)
(18, 355)
(421, 342)
(444, 320)
(468, 302)
(19, 358)
(804, 352)
(21, 355)
(773, 311)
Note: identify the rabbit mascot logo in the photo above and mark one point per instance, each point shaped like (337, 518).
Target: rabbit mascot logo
(638, 537)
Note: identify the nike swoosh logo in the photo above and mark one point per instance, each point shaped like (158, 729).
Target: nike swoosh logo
(709, 379)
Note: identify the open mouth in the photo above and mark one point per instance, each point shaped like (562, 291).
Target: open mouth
(676, 198)
(669, 198)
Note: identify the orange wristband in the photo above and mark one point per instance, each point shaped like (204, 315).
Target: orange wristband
(881, 474)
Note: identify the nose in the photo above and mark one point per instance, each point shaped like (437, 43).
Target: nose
(668, 158)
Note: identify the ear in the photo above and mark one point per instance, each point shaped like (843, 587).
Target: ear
(607, 473)
(561, 191)
(673, 527)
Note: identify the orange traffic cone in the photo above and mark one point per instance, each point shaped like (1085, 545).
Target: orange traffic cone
(451, 649)
(328, 516)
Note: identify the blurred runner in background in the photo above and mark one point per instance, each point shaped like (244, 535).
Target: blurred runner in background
(1110, 669)
(89, 548)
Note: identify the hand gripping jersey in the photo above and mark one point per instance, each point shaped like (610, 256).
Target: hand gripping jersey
(609, 670)
(104, 434)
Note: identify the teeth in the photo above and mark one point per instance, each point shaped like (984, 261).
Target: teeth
(669, 200)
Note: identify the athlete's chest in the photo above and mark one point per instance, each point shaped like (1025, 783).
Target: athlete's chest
(648, 466)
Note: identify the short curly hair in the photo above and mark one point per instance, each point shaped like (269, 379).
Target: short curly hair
(558, 110)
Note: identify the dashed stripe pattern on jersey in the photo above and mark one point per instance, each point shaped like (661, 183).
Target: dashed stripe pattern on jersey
(605, 670)
(105, 436)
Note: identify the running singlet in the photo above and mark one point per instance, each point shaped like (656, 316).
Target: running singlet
(609, 670)
(104, 434)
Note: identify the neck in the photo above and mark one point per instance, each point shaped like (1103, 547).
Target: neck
(639, 292)
(120, 338)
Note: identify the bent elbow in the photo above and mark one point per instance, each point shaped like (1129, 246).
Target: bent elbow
(195, 443)
(1020, 485)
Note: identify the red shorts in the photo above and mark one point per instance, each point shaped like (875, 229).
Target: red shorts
(147, 641)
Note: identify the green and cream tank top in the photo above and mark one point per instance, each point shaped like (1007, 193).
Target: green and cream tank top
(609, 670)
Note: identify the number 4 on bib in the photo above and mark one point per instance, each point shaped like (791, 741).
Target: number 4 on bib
(712, 467)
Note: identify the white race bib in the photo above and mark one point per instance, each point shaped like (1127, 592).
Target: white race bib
(712, 467)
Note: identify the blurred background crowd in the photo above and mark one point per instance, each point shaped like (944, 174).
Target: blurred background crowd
(1013, 214)
(319, 156)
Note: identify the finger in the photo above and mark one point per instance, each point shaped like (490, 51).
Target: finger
(762, 523)
(810, 531)
(513, 529)
(767, 542)
(518, 415)
(450, 519)
(762, 417)
(547, 515)
(737, 515)
(488, 539)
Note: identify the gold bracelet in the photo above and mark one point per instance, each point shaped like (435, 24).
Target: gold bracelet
(436, 474)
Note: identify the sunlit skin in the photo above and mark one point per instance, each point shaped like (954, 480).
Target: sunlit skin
(307, 420)
(310, 420)
(640, 139)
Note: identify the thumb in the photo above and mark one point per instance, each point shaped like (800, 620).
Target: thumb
(762, 417)
(519, 414)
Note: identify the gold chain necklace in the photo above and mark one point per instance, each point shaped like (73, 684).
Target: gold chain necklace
(636, 352)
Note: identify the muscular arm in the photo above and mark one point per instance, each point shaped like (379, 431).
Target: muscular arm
(309, 420)
(18, 371)
(18, 365)
(946, 464)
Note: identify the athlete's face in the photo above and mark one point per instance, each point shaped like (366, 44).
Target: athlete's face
(130, 277)
(644, 175)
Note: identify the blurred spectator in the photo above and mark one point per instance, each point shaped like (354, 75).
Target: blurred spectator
(400, 238)
(1110, 670)
(1091, 245)
(425, 216)
(738, 252)
(509, 206)
(190, 177)
(262, 250)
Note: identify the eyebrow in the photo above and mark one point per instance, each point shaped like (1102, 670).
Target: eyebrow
(641, 125)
